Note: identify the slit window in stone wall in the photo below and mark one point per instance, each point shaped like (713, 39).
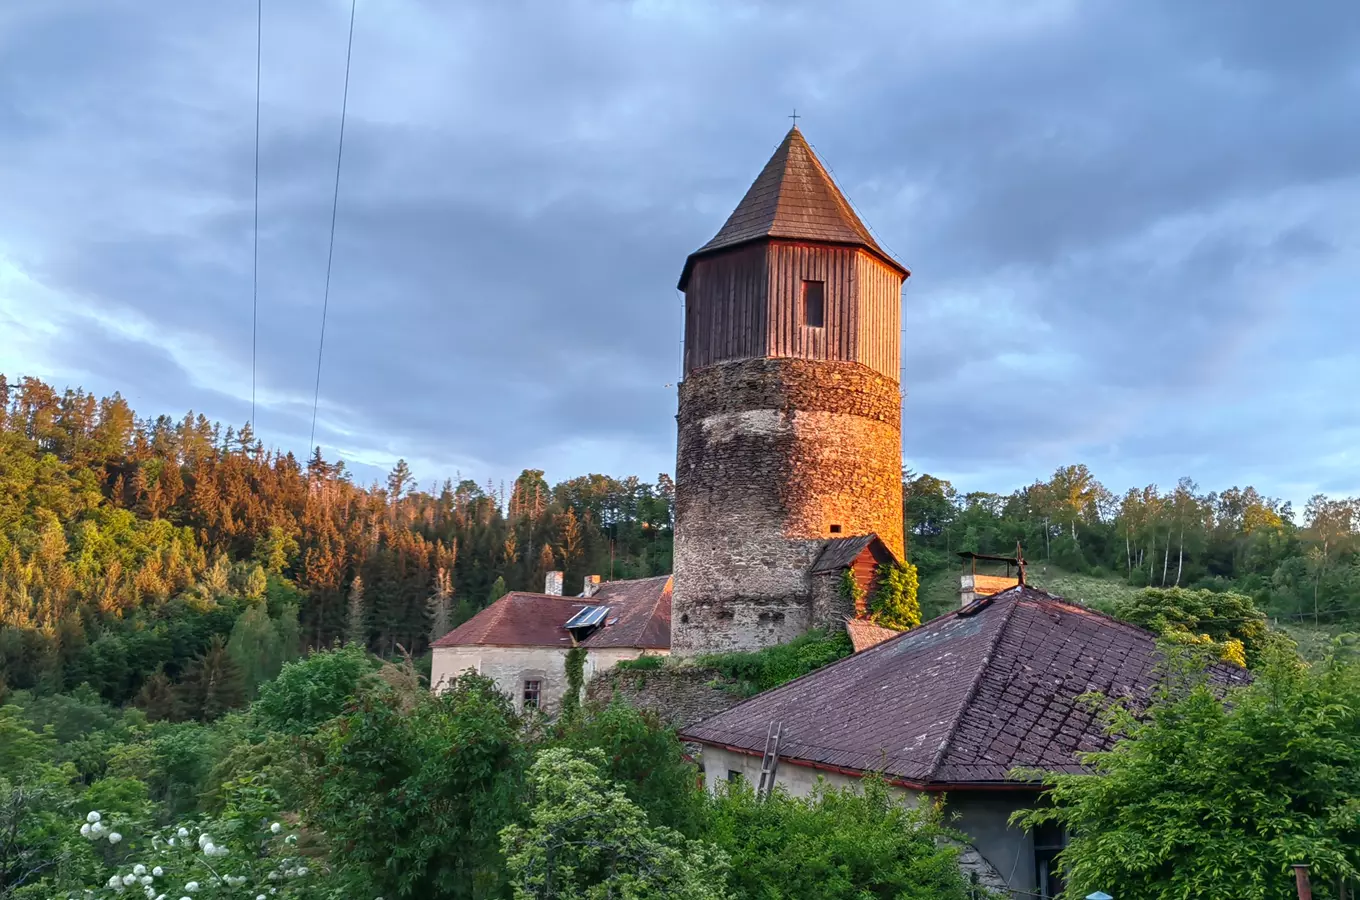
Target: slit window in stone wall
(835, 529)
(814, 303)
(533, 693)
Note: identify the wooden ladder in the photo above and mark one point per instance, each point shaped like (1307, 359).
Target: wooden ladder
(769, 763)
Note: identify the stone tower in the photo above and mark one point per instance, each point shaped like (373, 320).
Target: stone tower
(790, 422)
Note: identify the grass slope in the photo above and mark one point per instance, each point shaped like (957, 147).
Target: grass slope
(940, 593)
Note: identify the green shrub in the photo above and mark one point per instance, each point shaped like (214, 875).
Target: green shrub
(849, 844)
(641, 664)
(760, 670)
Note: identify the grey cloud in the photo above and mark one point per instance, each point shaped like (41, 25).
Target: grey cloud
(520, 191)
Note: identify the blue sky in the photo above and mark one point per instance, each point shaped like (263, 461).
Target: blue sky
(1134, 228)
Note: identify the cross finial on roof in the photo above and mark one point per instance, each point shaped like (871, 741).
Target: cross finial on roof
(795, 117)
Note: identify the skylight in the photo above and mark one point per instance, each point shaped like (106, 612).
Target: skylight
(588, 617)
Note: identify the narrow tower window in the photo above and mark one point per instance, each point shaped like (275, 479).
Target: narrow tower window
(814, 303)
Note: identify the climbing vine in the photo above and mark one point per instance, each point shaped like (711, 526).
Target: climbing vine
(575, 665)
(894, 603)
(850, 589)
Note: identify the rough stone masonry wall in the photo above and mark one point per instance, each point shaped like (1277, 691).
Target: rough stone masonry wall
(680, 695)
(771, 453)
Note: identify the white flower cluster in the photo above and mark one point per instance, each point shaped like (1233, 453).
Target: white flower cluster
(93, 829)
(206, 844)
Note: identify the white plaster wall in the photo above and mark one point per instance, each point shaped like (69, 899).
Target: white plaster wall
(510, 667)
(997, 852)
(799, 781)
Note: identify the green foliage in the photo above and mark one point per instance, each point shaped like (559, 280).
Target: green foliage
(259, 646)
(837, 845)
(760, 670)
(310, 691)
(849, 588)
(894, 602)
(643, 756)
(586, 840)
(1203, 798)
(417, 799)
(1217, 619)
(575, 665)
(212, 685)
(648, 663)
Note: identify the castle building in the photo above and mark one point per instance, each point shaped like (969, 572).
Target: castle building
(789, 452)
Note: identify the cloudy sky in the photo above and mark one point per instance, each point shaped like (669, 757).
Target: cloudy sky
(1134, 227)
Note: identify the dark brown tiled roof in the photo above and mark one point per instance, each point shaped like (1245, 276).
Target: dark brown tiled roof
(842, 552)
(641, 613)
(960, 700)
(793, 198)
(640, 610)
(865, 634)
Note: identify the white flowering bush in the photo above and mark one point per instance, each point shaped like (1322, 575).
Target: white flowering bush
(232, 857)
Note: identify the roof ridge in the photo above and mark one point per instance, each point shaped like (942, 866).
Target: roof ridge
(973, 688)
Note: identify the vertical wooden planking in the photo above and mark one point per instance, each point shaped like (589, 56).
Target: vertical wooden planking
(748, 302)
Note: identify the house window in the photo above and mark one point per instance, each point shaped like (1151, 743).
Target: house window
(1049, 840)
(733, 776)
(533, 692)
(835, 529)
(814, 303)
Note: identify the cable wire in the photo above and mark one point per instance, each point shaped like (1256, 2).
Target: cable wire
(335, 204)
(255, 274)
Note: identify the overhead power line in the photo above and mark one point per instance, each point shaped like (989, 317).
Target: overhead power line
(335, 204)
(255, 275)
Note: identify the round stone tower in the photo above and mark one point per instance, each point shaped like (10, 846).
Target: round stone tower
(790, 422)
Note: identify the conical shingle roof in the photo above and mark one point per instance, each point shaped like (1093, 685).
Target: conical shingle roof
(793, 198)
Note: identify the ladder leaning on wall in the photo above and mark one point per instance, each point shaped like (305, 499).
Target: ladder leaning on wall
(769, 762)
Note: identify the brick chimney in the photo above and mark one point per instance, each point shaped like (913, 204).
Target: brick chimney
(552, 584)
(592, 584)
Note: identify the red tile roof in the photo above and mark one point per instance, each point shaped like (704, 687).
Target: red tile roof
(793, 198)
(960, 700)
(865, 634)
(519, 619)
(639, 610)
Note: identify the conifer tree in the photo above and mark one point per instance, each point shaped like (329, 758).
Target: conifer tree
(211, 686)
(255, 648)
(441, 605)
(498, 590)
(356, 617)
(157, 697)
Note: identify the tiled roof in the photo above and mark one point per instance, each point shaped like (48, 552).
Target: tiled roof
(962, 699)
(841, 552)
(865, 634)
(642, 609)
(519, 619)
(640, 613)
(793, 198)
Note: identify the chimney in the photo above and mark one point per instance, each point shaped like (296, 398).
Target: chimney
(967, 589)
(553, 584)
(591, 585)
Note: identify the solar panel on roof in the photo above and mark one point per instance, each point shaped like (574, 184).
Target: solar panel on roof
(591, 615)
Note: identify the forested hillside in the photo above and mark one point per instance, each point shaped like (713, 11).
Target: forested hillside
(140, 553)
(1297, 565)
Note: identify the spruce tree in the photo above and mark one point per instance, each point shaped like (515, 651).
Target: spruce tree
(441, 605)
(212, 685)
(356, 619)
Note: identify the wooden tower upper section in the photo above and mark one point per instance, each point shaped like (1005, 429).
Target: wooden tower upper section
(793, 273)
